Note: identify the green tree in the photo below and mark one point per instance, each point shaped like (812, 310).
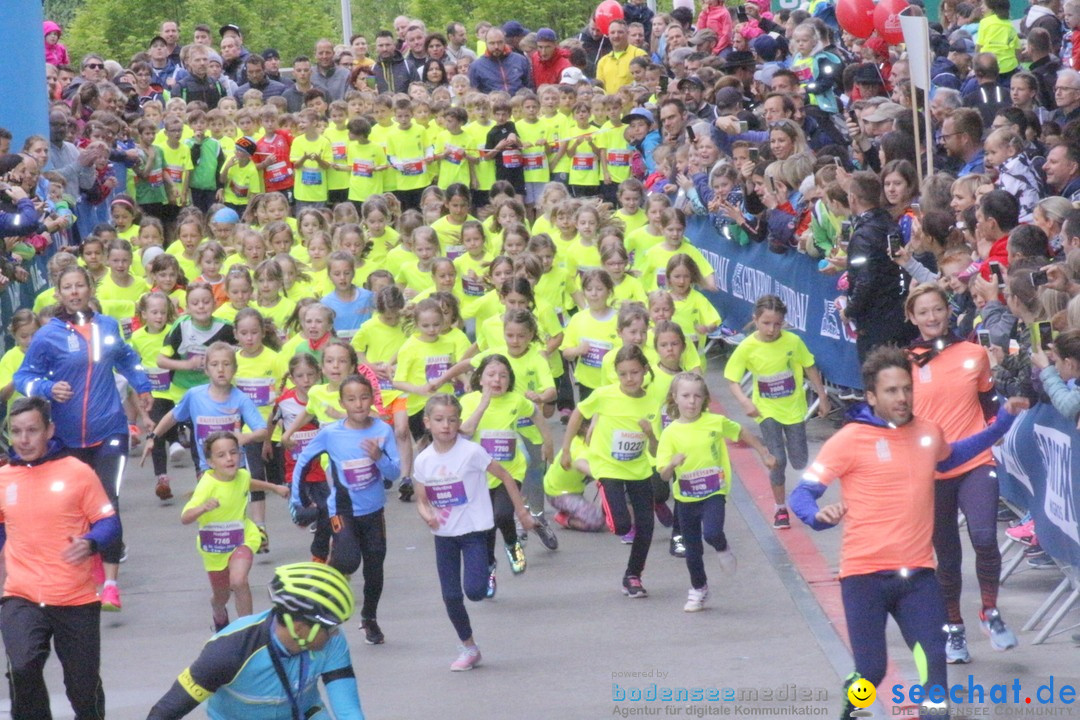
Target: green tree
(565, 18)
(291, 27)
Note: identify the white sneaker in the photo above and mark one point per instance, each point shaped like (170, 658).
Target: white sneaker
(695, 599)
(728, 562)
(176, 453)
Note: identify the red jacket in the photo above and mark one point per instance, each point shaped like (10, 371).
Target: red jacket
(718, 19)
(548, 72)
(999, 252)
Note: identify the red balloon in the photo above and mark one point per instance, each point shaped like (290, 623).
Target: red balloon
(606, 12)
(856, 16)
(887, 20)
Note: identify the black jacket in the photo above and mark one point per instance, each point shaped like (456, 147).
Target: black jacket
(876, 285)
(595, 48)
(205, 90)
(392, 75)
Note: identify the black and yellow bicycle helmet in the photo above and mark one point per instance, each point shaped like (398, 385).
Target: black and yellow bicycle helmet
(313, 592)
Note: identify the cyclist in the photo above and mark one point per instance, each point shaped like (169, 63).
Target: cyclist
(267, 666)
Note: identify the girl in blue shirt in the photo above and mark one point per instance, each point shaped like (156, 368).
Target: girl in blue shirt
(352, 305)
(363, 455)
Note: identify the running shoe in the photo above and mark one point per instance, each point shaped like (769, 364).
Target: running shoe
(468, 658)
(695, 600)
(1001, 637)
(562, 518)
(110, 599)
(373, 635)
(628, 538)
(1041, 561)
(676, 547)
(162, 489)
(664, 515)
(492, 585)
(264, 544)
(177, 453)
(956, 649)
(222, 622)
(405, 490)
(1034, 550)
(544, 531)
(516, 555)
(781, 520)
(728, 562)
(123, 552)
(523, 537)
(632, 587)
(1005, 513)
(1023, 533)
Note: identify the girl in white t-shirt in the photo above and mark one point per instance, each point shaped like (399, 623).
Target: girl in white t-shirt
(452, 488)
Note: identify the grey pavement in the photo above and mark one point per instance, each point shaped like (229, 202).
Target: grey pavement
(560, 641)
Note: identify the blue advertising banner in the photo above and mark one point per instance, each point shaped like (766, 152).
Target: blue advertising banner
(1039, 467)
(743, 274)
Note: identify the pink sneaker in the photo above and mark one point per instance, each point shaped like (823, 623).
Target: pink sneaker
(110, 599)
(1023, 533)
(562, 518)
(467, 660)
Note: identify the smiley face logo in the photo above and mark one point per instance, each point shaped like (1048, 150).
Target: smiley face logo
(861, 693)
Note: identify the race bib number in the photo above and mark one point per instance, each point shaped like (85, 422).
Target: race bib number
(125, 328)
(533, 161)
(455, 155)
(525, 422)
(454, 251)
(411, 168)
(339, 153)
(627, 445)
(240, 191)
(595, 355)
(448, 493)
(160, 380)
(661, 278)
(221, 537)
(511, 159)
(773, 387)
(500, 444)
(436, 366)
(301, 439)
(386, 383)
(472, 288)
(207, 424)
(260, 390)
(277, 172)
(618, 158)
(359, 474)
(584, 163)
(701, 483)
(362, 168)
(175, 173)
(155, 177)
(310, 177)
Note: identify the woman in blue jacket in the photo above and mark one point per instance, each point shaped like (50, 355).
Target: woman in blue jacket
(70, 362)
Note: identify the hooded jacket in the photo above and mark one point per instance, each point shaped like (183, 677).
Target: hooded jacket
(60, 353)
(509, 73)
(392, 75)
(54, 54)
(1043, 17)
(549, 72)
(877, 285)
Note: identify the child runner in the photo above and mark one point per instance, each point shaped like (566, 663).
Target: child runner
(592, 332)
(352, 305)
(693, 456)
(454, 500)
(362, 456)
(776, 360)
(226, 539)
(620, 448)
(156, 313)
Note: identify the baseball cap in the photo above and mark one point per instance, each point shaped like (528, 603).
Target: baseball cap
(231, 27)
(157, 39)
(766, 47)
(962, 45)
(638, 114)
(691, 80)
(885, 111)
(572, 76)
(227, 215)
(546, 35)
(512, 28)
(728, 97)
(765, 74)
(271, 54)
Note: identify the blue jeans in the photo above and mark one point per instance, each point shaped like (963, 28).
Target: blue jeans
(702, 520)
(451, 553)
(914, 601)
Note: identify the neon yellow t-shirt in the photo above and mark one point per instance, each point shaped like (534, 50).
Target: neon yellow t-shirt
(406, 151)
(454, 166)
(368, 163)
(777, 369)
(706, 471)
(629, 290)
(339, 153)
(226, 527)
(420, 362)
(534, 139)
(241, 183)
(693, 310)
(310, 176)
(497, 430)
(9, 363)
(602, 339)
(260, 378)
(617, 151)
(324, 404)
(471, 275)
(379, 343)
(566, 482)
(485, 169)
(149, 346)
(619, 448)
(654, 265)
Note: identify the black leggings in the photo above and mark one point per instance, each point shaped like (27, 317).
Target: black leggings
(976, 493)
(108, 460)
(271, 471)
(640, 493)
(160, 453)
(361, 540)
(503, 510)
(318, 492)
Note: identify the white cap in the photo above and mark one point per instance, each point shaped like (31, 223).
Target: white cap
(572, 76)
